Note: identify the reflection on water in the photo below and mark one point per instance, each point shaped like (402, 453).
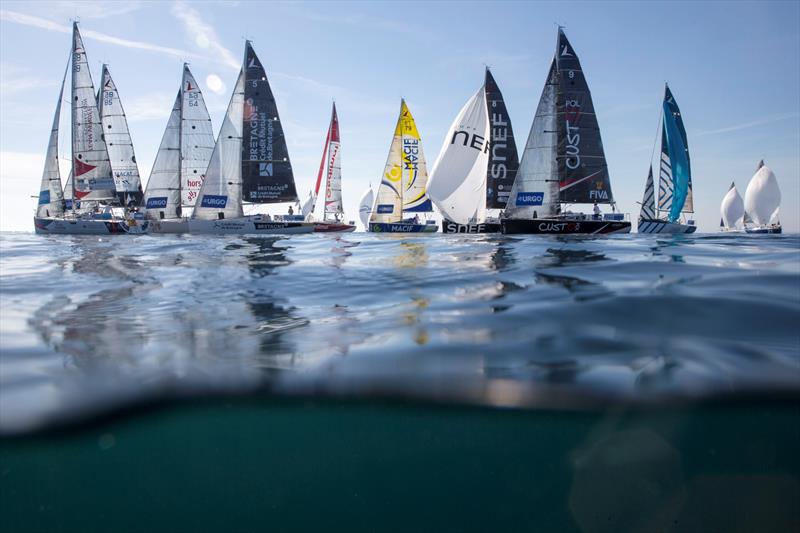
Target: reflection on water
(630, 316)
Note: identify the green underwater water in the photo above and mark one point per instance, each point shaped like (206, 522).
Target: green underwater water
(257, 464)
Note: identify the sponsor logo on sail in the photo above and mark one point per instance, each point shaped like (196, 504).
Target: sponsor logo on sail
(529, 198)
(565, 51)
(213, 201)
(474, 141)
(265, 169)
(158, 202)
(44, 197)
(573, 150)
(384, 209)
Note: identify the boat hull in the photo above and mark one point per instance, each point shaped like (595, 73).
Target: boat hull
(78, 226)
(663, 226)
(401, 227)
(248, 226)
(170, 225)
(333, 227)
(555, 226)
(765, 229)
(448, 226)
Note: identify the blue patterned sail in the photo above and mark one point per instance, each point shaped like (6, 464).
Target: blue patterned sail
(675, 145)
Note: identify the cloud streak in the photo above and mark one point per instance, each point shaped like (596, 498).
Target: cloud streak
(204, 35)
(751, 124)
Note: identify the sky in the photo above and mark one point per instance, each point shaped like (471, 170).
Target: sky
(733, 67)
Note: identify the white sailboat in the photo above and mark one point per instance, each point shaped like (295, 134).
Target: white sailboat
(762, 201)
(90, 177)
(250, 163)
(365, 206)
(675, 197)
(181, 162)
(403, 187)
(333, 213)
(731, 210)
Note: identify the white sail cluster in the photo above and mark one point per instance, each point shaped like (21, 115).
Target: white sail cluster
(763, 196)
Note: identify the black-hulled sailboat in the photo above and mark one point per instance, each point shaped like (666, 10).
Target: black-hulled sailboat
(250, 163)
(675, 196)
(476, 167)
(563, 162)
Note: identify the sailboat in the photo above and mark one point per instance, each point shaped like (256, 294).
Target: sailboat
(365, 206)
(762, 201)
(563, 161)
(91, 178)
(675, 196)
(250, 163)
(331, 163)
(731, 210)
(477, 164)
(121, 156)
(181, 162)
(403, 187)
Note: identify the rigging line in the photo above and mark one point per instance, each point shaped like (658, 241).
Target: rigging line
(655, 139)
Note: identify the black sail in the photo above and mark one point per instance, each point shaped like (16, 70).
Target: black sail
(266, 170)
(503, 157)
(582, 169)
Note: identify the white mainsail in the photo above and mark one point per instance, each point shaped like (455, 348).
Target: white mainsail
(118, 139)
(91, 169)
(365, 206)
(221, 192)
(197, 139)
(763, 196)
(732, 208)
(458, 180)
(51, 197)
(536, 188)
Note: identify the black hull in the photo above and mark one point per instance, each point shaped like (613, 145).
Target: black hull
(552, 226)
(449, 226)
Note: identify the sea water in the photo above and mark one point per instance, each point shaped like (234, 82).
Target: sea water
(611, 383)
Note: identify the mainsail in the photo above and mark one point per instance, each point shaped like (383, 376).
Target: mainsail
(535, 189)
(732, 208)
(582, 169)
(405, 175)
(91, 169)
(182, 158)
(266, 170)
(762, 197)
(118, 140)
(51, 197)
(648, 211)
(458, 179)
(333, 185)
(675, 176)
(503, 157)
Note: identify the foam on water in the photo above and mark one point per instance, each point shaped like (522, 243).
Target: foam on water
(89, 324)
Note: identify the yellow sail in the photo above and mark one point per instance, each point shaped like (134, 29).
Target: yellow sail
(415, 171)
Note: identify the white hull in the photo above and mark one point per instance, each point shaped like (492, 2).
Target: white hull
(78, 226)
(662, 226)
(252, 225)
(170, 225)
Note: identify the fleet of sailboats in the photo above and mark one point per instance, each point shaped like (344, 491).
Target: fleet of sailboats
(199, 184)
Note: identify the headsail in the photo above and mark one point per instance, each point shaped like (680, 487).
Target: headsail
(51, 197)
(311, 201)
(68, 193)
(732, 208)
(503, 157)
(582, 169)
(649, 200)
(333, 185)
(415, 171)
(675, 176)
(90, 165)
(118, 140)
(389, 201)
(162, 198)
(763, 196)
(365, 206)
(535, 189)
(221, 193)
(458, 179)
(266, 170)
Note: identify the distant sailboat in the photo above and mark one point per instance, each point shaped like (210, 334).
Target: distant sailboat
(250, 163)
(762, 201)
(333, 214)
(90, 178)
(403, 187)
(365, 206)
(477, 165)
(675, 177)
(563, 162)
(731, 210)
(118, 140)
(181, 162)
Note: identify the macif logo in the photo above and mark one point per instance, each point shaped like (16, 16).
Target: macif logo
(265, 169)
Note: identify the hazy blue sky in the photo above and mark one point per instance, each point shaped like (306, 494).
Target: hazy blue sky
(734, 68)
